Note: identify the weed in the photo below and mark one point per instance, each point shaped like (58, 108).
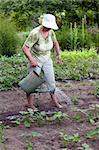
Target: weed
(75, 100)
(36, 134)
(97, 89)
(30, 146)
(75, 36)
(26, 118)
(93, 114)
(17, 121)
(85, 146)
(93, 134)
(93, 117)
(1, 133)
(58, 117)
(39, 118)
(69, 139)
(77, 118)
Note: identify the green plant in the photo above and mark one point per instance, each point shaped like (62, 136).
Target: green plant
(9, 40)
(12, 70)
(21, 19)
(97, 89)
(26, 118)
(93, 134)
(91, 16)
(27, 122)
(64, 38)
(29, 117)
(30, 146)
(77, 118)
(69, 139)
(57, 117)
(71, 35)
(40, 118)
(1, 133)
(76, 65)
(36, 134)
(93, 117)
(75, 100)
(93, 114)
(75, 38)
(17, 121)
(85, 146)
(96, 40)
(71, 11)
(83, 32)
(29, 138)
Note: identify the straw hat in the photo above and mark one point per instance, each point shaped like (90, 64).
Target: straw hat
(49, 21)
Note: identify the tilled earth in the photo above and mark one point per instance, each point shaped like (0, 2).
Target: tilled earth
(80, 94)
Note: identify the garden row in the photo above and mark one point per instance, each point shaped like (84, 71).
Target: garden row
(76, 65)
(40, 119)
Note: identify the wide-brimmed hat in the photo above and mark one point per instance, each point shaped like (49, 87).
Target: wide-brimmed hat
(49, 21)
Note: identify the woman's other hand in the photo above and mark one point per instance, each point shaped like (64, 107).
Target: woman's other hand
(57, 51)
(59, 60)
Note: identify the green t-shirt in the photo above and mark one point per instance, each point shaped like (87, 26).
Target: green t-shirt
(39, 46)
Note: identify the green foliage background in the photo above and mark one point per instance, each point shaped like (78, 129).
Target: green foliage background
(74, 35)
(74, 38)
(26, 12)
(9, 40)
(76, 65)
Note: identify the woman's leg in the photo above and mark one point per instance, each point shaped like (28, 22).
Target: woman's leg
(30, 100)
(50, 79)
(55, 100)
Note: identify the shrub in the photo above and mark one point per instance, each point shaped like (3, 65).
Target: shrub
(78, 65)
(12, 70)
(63, 38)
(21, 20)
(74, 38)
(9, 39)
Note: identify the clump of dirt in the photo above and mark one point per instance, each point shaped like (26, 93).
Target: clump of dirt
(83, 100)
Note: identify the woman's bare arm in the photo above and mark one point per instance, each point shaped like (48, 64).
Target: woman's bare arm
(27, 53)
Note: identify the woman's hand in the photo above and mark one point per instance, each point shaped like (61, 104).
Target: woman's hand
(59, 60)
(57, 50)
(33, 63)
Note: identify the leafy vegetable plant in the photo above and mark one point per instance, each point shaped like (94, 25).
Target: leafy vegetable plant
(58, 117)
(67, 139)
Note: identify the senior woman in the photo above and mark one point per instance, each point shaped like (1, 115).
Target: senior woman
(37, 48)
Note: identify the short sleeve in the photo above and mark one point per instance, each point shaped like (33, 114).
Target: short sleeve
(31, 39)
(53, 36)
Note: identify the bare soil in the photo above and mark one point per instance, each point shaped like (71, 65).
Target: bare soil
(82, 95)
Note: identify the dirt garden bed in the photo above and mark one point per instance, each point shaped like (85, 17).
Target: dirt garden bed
(82, 123)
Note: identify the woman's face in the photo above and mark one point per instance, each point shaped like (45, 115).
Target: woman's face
(46, 29)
